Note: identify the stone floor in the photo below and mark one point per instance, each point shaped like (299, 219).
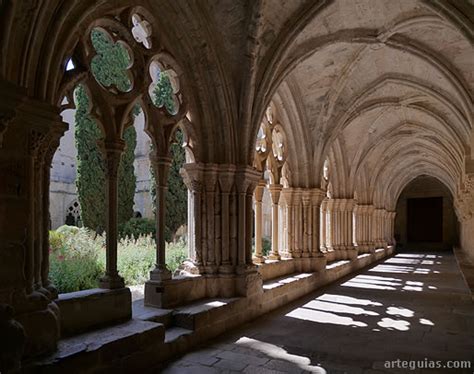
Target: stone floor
(414, 306)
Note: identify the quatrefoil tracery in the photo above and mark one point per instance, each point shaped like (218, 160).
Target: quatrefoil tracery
(164, 89)
(141, 31)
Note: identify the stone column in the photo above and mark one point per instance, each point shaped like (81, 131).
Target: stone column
(340, 213)
(317, 197)
(54, 144)
(32, 264)
(275, 190)
(25, 132)
(258, 258)
(113, 154)
(194, 182)
(287, 198)
(306, 219)
(363, 228)
(323, 225)
(393, 215)
(161, 166)
(226, 182)
(211, 220)
(379, 214)
(223, 216)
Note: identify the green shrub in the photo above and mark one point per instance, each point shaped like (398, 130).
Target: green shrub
(74, 264)
(77, 258)
(266, 246)
(136, 258)
(56, 240)
(137, 227)
(176, 253)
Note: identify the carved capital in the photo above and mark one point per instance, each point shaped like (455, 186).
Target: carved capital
(246, 179)
(340, 205)
(210, 178)
(259, 191)
(363, 209)
(275, 191)
(317, 196)
(161, 167)
(193, 177)
(227, 178)
(113, 154)
(35, 141)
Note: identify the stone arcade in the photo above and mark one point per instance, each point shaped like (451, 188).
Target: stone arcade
(335, 112)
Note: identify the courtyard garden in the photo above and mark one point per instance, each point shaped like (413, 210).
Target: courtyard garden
(77, 257)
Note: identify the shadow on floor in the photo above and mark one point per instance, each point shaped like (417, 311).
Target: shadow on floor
(413, 306)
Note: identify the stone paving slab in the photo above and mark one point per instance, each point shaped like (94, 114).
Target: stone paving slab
(414, 306)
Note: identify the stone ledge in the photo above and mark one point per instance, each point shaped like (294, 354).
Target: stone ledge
(273, 269)
(145, 313)
(198, 315)
(90, 309)
(102, 348)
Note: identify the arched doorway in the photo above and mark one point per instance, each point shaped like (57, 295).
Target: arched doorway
(426, 219)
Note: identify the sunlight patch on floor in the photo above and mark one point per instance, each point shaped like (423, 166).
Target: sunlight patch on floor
(279, 353)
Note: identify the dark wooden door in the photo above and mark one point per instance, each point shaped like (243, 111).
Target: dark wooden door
(425, 219)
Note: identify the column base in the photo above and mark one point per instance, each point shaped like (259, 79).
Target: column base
(111, 282)
(210, 269)
(351, 253)
(258, 259)
(41, 329)
(274, 257)
(227, 268)
(160, 274)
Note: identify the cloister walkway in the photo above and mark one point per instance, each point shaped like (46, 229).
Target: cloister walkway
(413, 306)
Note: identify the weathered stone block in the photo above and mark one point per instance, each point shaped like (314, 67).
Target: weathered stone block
(85, 310)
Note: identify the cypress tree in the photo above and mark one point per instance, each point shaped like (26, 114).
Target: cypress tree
(127, 178)
(109, 67)
(177, 195)
(90, 179)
